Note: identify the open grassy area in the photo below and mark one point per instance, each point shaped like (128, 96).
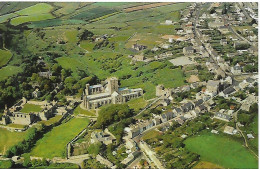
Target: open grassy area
(137, 104)
(79, 110)
(53, 144)
(31, 108)
(16, 125)
(150, 134)
(254, 128)
(5, 56)
(7, 71)
(221, 150)
(51, 120)
(8, 138)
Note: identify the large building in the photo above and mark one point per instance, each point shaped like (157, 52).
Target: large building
(108, 93)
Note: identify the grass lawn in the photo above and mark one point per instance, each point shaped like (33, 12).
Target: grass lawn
(7, 71)
(79, 110)
(8, 138)
(137, 104)
(221, 150)
(53, 144)
(150, 134)
(31, 108)
(5, 56)
(87, 45)
(51, 120)
(16, 125)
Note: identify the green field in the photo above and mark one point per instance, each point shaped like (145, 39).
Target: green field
(23, 19)
(254, 128)
(51, 120)
(16, 125)
(8, 138)
(137, 104)
(221, 150)
(53, 144)
(39, 8)
(31, 108)
(7, 71)
(6, 17)
(79, 110)
(5, 56)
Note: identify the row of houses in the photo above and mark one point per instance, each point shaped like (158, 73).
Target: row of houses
(180, 114)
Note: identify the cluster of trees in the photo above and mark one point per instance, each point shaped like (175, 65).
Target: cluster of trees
(25, 146)
(173, 149)
(116, 159)
(96, 148)
(222, 103)
(85, 34)
(6, 164)
(38, 163)
(118, 129)
(204, 74)
(92, 163)
(111, 114)
(101, 44)
(246, 117)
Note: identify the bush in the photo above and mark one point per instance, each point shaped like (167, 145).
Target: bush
(6, 164)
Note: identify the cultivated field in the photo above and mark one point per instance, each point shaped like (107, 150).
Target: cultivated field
(53, 144)
(142, 7)
(221, 150)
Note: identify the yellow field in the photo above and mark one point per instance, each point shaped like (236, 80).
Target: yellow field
(205, 164)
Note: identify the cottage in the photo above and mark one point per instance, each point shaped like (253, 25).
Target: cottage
(187, 107)
(227, 92)
(36, 93)
(236, 70)
(224, 29)
(138, 47)
(215, 24)
(198, 102)
(201, 108)
(250, 136)
(212, 88)
(104, 161)
(188, 50)
(138, 58)
(223, 42)
(230, 130)
(156, 121)
(168, 22)
(47, 74)
(222, 116)
(131, 157)
(177, 111)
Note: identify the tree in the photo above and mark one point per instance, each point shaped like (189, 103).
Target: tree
(86, 35)
(95, 148)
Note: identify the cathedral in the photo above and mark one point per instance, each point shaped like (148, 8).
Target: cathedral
(108, 93)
